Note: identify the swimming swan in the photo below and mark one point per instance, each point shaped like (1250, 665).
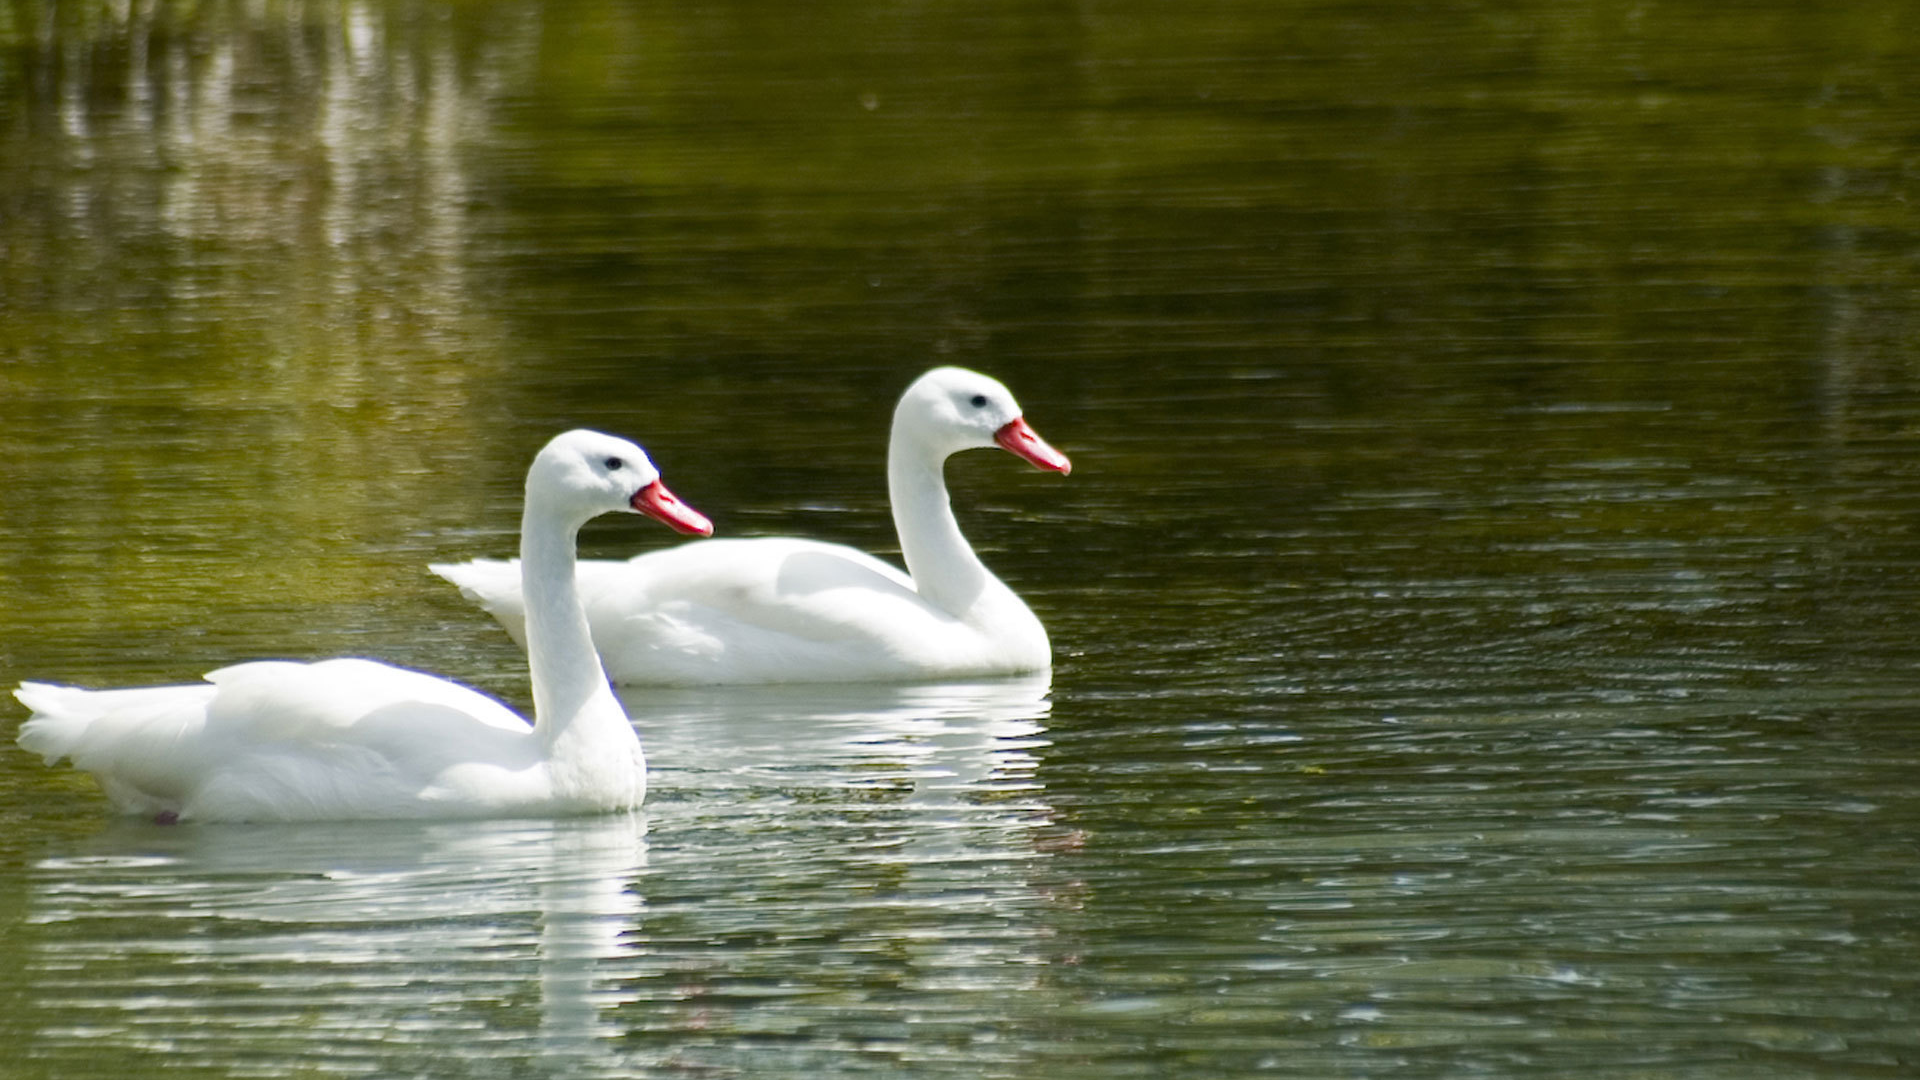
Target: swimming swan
(783, 609)
(278, 740)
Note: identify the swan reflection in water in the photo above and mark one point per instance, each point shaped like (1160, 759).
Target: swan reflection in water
(933, 743)
(877, 837)
(393, 948)
(362, 945)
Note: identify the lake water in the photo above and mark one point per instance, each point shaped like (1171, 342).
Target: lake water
(1482, 598)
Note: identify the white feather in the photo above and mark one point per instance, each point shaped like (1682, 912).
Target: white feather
(781, 609)
(349, 738)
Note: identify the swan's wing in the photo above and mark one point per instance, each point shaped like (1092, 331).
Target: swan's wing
(287, 699)
(272, 738)
(759, 610)
(779, 584)
(811, 590)
(357, 738)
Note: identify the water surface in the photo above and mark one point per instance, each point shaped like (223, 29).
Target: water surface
(1482, 596)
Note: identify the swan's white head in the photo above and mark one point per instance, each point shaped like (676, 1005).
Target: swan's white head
(585, 474)
(952, 409)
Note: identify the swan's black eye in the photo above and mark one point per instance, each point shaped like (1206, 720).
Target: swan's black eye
(979, 401)
(614, 464)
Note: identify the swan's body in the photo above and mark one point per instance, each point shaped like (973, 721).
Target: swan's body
(780, 609)
(775, 609)
(285, 741)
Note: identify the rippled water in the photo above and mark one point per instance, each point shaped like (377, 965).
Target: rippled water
(1482, 596)
(828, 854)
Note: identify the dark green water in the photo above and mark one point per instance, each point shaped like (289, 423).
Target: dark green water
(1483, 594)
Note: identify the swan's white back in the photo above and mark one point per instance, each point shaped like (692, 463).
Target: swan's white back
(351, 738)
(781, 609)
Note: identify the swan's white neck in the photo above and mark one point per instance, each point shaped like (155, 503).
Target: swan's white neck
(942, 564)
(571, 697)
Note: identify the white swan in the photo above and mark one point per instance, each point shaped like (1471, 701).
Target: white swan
(277, 740)
(779, 609)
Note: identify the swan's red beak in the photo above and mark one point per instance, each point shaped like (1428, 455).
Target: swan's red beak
(662, 505)
(1020, 440)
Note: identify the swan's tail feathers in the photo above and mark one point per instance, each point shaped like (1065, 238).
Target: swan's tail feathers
(106, 729)
(141, 743)
(494, 584)
(60, 718)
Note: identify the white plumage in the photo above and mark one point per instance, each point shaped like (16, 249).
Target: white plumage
(279, 740)
(782, 609)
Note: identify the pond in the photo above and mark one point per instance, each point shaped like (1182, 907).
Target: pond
(1481, 601)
